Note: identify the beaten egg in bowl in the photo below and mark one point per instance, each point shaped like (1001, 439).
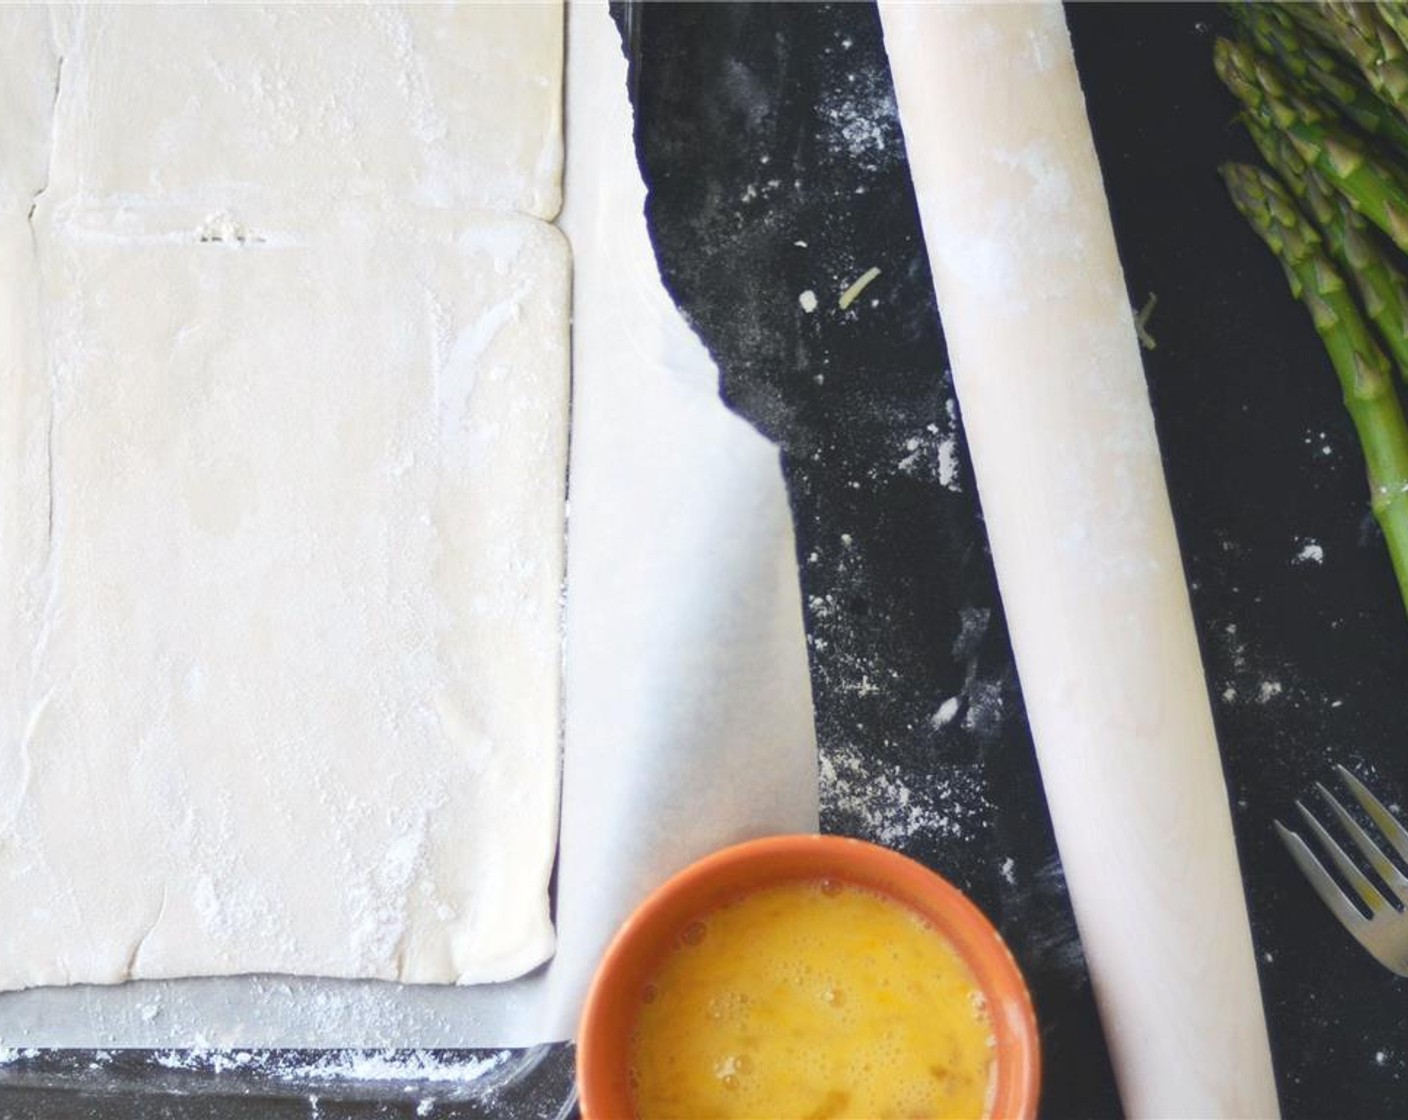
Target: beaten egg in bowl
(812, 999)
(807, 977)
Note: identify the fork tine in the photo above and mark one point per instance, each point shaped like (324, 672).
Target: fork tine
(1388, 824)
(1382, 865)
(1356, 878)
(1328, 890)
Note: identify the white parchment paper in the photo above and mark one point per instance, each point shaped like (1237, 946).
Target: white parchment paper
(688, 720)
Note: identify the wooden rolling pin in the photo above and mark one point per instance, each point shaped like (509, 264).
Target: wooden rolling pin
(1056, 412)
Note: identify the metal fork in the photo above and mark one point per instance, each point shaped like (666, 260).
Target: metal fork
(1385, 932)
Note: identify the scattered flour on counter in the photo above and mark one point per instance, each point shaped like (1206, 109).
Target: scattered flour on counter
(1311, 552)
(944, 716)
(933, 453)
(986, 706)
(879, 801)
(1319, 441)
(1244, 672)
(980, 707)
(906, 465)
(862, 125)
(414, 1065)
(208, 1061)
(408, 1066)
(948, 463)
(1234, 646)
(972, 627)
(822, 607)
(860, 119)
(1009, 871)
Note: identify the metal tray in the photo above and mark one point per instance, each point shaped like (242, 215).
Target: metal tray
(533, 1084)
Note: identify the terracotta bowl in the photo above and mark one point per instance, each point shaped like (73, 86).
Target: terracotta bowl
(648, 936)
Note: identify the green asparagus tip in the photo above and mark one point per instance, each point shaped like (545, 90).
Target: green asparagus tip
(1241, 178)
(1227, 59)
(1250, 77)
(1272, 211)
(1233, 67)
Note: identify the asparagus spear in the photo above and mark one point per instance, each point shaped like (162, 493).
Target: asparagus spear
(1319, 70)
(1369, 183)
(1361, 366)
(1382, 289)
(1359, 31)
(1394, 13)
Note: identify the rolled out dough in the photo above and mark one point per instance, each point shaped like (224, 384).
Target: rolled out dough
(283, 487)
(28, 76)
(288, 106)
